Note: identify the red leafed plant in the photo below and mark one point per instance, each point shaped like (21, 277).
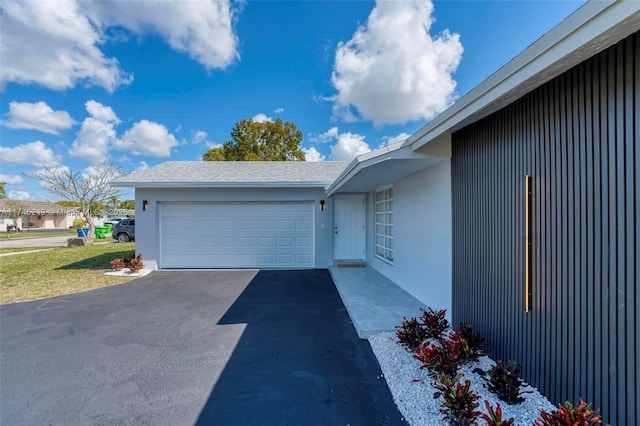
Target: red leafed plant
(410, 334)
(135, 263)
(459, 406)
(503, 380)
(443, 359)
(118, 264)
(570, 415)
(470, 342)
(494, 417)
(434, 322)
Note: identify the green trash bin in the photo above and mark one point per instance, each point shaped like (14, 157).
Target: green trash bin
(109, 227)
(100, 232)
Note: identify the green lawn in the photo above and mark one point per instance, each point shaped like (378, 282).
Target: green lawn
(59, 271)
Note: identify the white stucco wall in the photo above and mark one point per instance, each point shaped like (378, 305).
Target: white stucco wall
(147, 221)
(422, 236)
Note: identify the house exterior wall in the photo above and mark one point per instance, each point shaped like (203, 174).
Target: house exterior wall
(7, 220)
(422, 236)
(577, 137)
(147, 221)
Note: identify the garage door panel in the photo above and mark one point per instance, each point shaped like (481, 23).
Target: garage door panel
(266, 242)
(303, 224)
(284, 259)
(285, 242)
(303, 258)
(236, 235)
(303, 242)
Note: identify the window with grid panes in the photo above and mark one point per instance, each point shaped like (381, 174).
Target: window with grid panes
(384, 224)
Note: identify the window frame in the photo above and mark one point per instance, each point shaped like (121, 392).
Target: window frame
(383, 230)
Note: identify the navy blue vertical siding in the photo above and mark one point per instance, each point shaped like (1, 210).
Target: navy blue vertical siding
(577, 137)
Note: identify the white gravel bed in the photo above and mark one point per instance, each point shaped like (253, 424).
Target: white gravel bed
(413, 394)
(126, 272)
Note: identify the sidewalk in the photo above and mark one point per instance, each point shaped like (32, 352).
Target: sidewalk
(374, 302)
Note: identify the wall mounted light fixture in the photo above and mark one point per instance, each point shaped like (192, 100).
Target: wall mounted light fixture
(322, 205)
(145, 204)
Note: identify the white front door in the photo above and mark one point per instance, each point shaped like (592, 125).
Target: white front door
(348, 226)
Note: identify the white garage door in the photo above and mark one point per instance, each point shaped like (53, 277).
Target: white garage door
(236, 235)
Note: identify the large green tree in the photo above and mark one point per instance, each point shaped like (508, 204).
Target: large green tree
(265, 141)
(128, 204)
(3, 193)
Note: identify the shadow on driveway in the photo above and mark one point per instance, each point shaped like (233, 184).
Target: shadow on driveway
(299, 360)
(184, 348)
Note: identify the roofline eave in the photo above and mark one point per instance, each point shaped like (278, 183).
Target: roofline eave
(578, 32)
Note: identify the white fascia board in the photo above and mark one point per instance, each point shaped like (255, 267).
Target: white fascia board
(580, 29)
(220, 184)
(392, 151)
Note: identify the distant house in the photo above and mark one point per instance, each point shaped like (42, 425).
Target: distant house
(517, 209)
(35, 214)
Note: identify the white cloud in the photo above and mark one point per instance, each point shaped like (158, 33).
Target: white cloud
(211, 145)
(312, 154)
(199, 136)
(59, 168)
(101, 112)
(392, 70)
(11, 179)
(34, 153)
(389, 140)
(142, 165)
(57, 44)
(349, 146)
(89, 172)
(201, 28)
(96, 134)
(328, 136)
(147, 138)
(20, 195)
(261, 118)
(37, 116)
(279, 110)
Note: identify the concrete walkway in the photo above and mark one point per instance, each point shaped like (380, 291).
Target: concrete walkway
(374, 302)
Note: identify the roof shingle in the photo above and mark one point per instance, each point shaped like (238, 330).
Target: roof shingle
(235, 173)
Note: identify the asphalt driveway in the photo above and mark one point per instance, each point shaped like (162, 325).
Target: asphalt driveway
(183, 348)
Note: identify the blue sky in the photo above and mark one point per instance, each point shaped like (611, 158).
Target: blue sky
(143, 82)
